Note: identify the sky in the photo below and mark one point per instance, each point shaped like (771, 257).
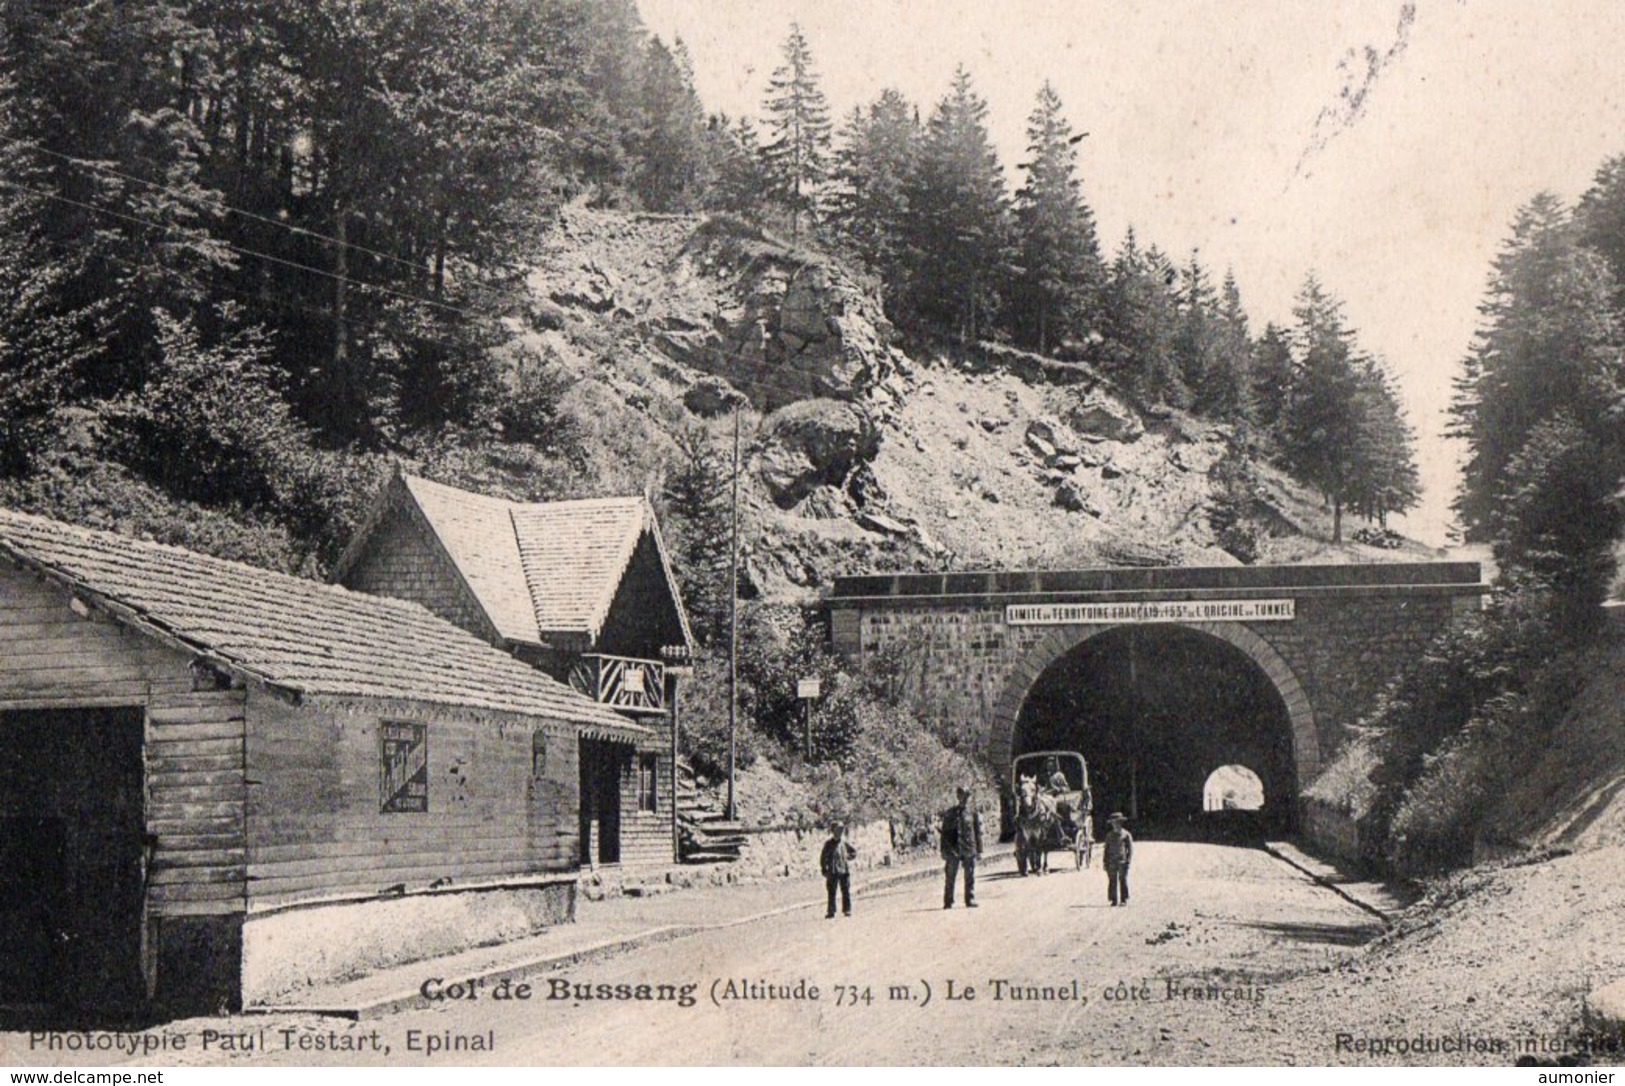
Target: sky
(1384, 145)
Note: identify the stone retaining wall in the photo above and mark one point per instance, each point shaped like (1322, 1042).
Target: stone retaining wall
(294, 949)
(789, 852)
(1329, 831)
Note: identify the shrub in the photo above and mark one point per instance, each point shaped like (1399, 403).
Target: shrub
(703, 738)
(895, 769)
(1449, 735)
(209, 425)
(530, 409)
(1231, 512)
(871, 756)
(71, 484)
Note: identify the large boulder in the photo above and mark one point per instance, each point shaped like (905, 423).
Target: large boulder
(591, 287)
(1074, 499)
(711, 396)
(784, 327)
(813, 443)
(1049, 436)
(1101, 417)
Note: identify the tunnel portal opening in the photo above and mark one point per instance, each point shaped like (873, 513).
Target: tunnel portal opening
(1232, 788)
(1155, 710)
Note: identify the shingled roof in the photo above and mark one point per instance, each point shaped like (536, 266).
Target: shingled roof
(296, 635)
(540, 570)
(478, 535)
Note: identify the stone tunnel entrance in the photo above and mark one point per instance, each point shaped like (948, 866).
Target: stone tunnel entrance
(1155, 710)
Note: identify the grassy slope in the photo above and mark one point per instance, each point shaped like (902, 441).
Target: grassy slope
(1573, 796)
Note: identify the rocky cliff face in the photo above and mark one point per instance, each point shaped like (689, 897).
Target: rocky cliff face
(860, 455)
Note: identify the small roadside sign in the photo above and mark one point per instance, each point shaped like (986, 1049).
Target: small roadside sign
(808, 688)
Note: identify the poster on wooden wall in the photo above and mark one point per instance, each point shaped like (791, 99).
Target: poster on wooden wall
(403, 756)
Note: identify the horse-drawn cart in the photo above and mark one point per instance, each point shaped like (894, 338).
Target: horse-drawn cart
(1053, 805)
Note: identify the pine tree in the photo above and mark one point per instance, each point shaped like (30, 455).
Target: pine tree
(1325, 422)
(670, 172)
(1226, 391)
(1271, 382)
(1196, 337)
(1557, 519)
(101, 93)
(797, 153)
(1541, 405)
(1600, 221)
(696, 496)
(958, 218)
(734, 159)
(46, 342)
(877, 156)
(605, 41)
(1055, 296)
(1384, 473)
(1140, 322)
(1550, 342)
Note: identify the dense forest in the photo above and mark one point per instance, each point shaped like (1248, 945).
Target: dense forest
(1540, 408)
(251, 244)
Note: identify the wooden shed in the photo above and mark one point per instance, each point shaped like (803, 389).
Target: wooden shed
(218, 784)
(581, 590)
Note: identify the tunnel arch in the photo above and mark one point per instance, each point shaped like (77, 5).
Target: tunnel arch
(1063, 640)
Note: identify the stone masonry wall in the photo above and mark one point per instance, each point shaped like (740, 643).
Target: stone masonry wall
(961, 656)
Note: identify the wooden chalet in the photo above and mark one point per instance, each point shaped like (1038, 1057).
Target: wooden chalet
(582, 591)
(218, 783)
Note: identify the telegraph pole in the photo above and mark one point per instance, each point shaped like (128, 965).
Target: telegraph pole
(1134, 738)
(733, 620)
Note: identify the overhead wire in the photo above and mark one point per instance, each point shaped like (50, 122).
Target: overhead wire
(303, 231)
(761, 375)
(242, 251)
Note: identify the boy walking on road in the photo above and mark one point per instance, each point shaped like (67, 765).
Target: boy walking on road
(1119, 845)
(835, 863)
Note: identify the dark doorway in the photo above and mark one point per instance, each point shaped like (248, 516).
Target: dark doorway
(72, 859)
(1155, 709)
(601, 768)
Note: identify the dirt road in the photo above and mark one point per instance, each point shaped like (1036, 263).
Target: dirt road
(1042, 972)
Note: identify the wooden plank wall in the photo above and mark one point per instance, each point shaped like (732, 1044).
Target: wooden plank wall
(315, 828)
(51, 657)
(646, 835)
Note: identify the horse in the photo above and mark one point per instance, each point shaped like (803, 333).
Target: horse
(1037, 826)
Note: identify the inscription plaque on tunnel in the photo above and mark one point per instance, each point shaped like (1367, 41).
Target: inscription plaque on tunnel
(1055, 614)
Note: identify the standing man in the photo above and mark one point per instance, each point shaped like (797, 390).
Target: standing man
(1119, 854)
(961, 847)
(836, 864)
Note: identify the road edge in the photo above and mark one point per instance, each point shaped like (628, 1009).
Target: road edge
(1294, 858)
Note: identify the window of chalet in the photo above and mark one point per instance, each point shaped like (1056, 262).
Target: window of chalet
(648, 774)
(403, 768)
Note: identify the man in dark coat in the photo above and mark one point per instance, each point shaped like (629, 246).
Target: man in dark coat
(961, 847)
(1119, 845)
(835, 863)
